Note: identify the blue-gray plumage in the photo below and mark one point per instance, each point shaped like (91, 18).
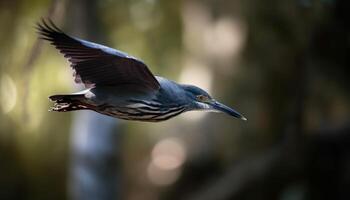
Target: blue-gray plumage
(122, 86)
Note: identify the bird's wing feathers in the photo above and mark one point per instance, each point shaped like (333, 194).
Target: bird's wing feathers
(97, 64)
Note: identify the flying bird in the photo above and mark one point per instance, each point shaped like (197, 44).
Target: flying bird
(122, 86)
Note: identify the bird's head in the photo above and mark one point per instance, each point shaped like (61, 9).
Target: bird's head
(201, 100)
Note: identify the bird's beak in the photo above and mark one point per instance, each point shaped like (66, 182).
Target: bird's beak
(225, 109)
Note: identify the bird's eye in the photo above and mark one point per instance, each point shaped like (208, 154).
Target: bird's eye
(202, 98)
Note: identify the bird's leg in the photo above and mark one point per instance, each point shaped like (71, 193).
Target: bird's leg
(65, 103)
(65, 107)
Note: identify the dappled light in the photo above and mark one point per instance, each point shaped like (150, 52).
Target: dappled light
(284, 65)
(168, 154)
(8, 93)
(167, 157)
(224, 39)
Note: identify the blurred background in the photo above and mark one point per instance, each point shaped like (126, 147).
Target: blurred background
(283, 64)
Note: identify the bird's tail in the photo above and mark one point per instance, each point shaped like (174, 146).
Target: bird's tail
(68, 102)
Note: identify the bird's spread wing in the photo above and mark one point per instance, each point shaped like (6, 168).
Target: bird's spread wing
(96, 64)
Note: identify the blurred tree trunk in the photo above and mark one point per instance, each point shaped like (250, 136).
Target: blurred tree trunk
(95, 138)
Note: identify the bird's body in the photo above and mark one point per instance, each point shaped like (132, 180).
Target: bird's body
(130, 104)
(122, 86)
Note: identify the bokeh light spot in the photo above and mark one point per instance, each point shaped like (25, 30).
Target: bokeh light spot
(8, 93)
(168, 155)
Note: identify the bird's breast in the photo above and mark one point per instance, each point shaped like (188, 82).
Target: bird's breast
(141, 110)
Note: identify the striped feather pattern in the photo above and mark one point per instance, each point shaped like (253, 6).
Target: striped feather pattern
(142, 111)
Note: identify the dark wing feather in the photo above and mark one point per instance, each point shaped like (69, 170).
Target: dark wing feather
(97, 64)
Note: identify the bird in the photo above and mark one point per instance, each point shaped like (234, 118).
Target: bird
(120, 85)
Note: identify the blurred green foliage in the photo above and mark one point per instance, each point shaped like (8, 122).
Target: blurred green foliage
(284, 64)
